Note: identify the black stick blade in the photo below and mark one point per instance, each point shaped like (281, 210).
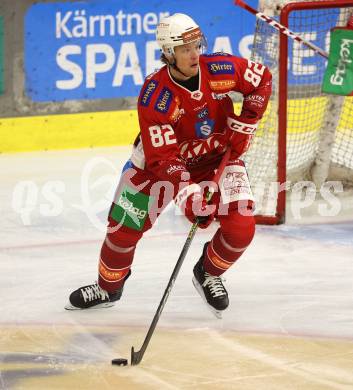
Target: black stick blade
(136, 357)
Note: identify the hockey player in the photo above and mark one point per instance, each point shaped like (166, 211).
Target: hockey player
(186, 122)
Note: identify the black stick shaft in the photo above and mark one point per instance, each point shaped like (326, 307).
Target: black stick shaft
(137, 356)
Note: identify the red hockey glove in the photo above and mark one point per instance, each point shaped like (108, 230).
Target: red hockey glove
(192, 202)
(239, 134)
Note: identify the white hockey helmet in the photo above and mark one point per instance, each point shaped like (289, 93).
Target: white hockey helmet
(176, 30)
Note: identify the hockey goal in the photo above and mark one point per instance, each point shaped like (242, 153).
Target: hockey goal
(305, 134)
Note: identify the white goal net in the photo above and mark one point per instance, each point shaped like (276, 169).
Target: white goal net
(318, 128)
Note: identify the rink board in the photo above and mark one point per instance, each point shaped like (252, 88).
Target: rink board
(72, 131)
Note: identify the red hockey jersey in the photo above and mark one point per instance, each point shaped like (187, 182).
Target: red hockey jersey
(183, 130)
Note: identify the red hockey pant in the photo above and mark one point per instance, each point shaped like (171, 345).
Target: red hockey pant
(236, 231)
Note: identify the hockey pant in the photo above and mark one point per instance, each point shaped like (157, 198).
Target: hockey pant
(141, 197)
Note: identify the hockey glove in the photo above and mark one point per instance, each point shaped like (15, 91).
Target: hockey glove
(192, 202)
(239, 135)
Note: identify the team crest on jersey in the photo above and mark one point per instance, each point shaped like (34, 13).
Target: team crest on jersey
(163, 101)
(148, 92)
(221, 85)
(197, 95)
(193, 149)
(204, 128)
(221, 67)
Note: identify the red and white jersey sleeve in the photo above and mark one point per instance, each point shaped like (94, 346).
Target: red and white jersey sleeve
(253, 80)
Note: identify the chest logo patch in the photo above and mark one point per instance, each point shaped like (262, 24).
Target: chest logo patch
(221, 67)
(204, 128)
(163, 101)
(197, 95)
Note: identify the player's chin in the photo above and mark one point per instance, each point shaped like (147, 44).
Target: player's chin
(194, 70)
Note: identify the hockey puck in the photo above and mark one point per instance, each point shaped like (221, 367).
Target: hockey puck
(119, 362)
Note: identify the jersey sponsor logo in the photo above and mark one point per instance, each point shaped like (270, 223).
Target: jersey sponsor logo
(111, 275)
(192, 35)
(177, 114)
(234, 179)
(200, 107)
(218, 96)
(192, 150)
(241, 127)
(221, 67)
(203, 114)
(221, 85)
(148, 92)
(204, 128)
(219, 263)
(235, 184)
(175, 168)
(164, 100)
(255, 100)
(131, 208)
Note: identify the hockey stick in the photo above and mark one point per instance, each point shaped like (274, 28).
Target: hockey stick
(136, 356)
(280, 27)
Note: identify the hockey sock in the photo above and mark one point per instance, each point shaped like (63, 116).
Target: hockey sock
(229, 242)
(116, 257)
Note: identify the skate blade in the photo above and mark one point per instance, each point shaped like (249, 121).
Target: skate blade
(216, 313)
(100, 306)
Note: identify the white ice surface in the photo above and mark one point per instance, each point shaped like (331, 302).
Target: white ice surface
(294, 279)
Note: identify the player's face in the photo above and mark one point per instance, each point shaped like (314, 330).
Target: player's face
(187, 58)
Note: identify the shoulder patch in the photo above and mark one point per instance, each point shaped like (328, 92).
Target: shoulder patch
(147, 93)
(163, 101)
(221, 67)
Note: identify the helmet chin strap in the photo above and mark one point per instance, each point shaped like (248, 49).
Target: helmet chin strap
(175, 66)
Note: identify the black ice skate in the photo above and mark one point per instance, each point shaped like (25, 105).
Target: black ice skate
(210, 288)
(92, 296)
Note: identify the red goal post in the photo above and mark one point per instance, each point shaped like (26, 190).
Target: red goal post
(305, 134)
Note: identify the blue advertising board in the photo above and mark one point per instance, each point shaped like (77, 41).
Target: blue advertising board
(104, 49)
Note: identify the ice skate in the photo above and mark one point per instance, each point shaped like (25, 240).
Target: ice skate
(92, 296)
(210, 288)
